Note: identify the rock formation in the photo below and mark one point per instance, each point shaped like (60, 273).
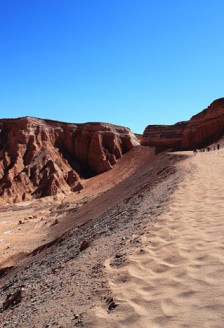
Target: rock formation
(201, 130)
(41, 157)
(205, 127)
(164, 136)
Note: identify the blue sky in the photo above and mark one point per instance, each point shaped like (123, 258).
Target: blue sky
(127, 62)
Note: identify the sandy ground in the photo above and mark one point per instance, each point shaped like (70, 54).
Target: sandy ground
(155, 253)
(26, 226)
(61, 284)
(175, 278)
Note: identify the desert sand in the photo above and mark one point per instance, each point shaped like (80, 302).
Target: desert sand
(27, 225)
(59, 283)
(175, 278)
(155, 249)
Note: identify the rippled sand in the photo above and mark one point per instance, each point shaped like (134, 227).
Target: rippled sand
(177, 278)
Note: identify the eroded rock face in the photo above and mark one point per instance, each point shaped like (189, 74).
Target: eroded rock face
(42, 158)
(164, 136)
(201, 130)
(205, 127)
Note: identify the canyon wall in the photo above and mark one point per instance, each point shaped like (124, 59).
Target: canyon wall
(41, 158)
(201, 130)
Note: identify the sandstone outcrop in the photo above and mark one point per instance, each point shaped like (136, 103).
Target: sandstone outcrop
(164, 136)
(201, 130)
(205, 127)
(42, 157)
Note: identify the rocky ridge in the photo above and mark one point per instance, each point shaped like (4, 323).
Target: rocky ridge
(41, 158)
(201, 130)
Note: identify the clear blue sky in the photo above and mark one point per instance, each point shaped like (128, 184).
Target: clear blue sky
(127, 62)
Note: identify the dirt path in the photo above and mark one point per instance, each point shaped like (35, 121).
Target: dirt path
(176, 277)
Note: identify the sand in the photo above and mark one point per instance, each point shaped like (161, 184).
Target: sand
(157, 248)
(61, 282)
(27, 225)
(175, 278)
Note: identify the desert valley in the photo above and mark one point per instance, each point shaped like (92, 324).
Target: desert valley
(104, 228)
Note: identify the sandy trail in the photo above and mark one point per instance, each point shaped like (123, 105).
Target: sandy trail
(176, 279)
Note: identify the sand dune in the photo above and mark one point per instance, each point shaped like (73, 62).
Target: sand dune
(175, 278)
(162, 255)
(38, 215)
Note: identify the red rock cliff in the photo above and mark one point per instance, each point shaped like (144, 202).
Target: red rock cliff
(205, 127)
(201, 130)
(41, 157)
(164, 136)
